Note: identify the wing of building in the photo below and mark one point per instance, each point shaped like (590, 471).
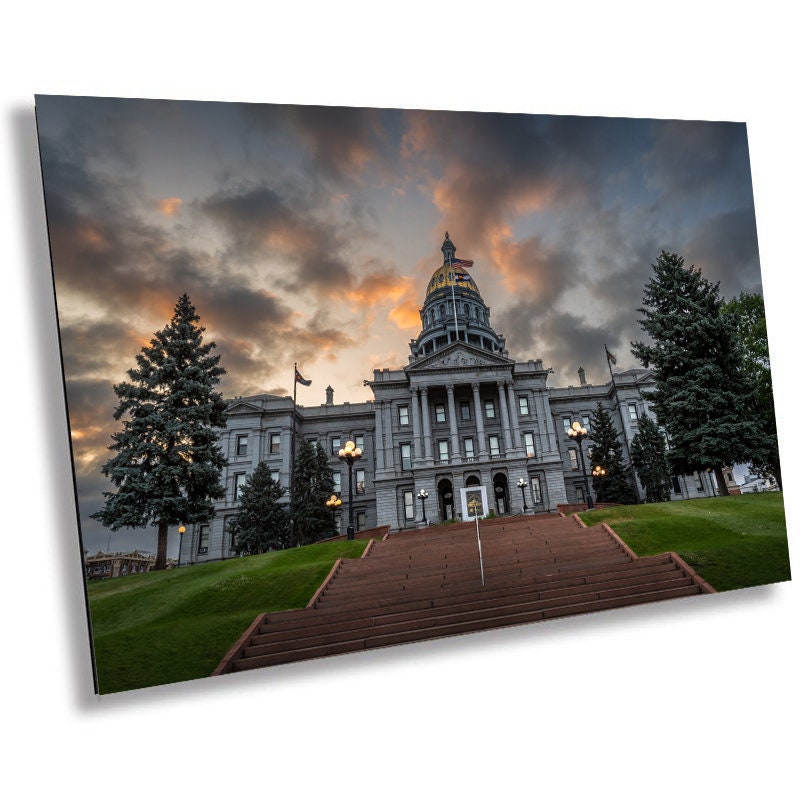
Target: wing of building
(461, 413)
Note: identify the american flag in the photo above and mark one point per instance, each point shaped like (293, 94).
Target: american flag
(461, 263)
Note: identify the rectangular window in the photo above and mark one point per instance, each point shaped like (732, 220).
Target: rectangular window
(586, 422)
(632, 411)
(444, 452)
(405, 456)
(469, 449)
(488, 408)
(239, 480)
(275, 474)
(536, 490)
(336, 445)
(361, 520)
(403, 414)
(530, 450)
(465, 411)
(361, 480)
(567, 423)
(676, 485)
(494, 445)
(573, 457)
(700, 485)
(579, 494)
(231, 534)
(408, 504)
(359, 441)
(241, 445)
(440, 415)
(274, 444)
(202, 542)
(337, 482)
(523, 406)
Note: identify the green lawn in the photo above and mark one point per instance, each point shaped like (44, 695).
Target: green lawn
(732, 542)
(176, 625)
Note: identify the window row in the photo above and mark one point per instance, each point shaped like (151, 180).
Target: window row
(242, 441)
(465, 410)
(468, 452)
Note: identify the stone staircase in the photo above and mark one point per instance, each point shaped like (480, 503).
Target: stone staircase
(427, 584)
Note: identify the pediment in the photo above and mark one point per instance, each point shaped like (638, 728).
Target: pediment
(459, 356)
(243, 407)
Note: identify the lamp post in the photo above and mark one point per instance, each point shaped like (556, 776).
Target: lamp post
(423, 495)
(334, 503)
(578, 433)
(181, 531)
(599, 472)
(522, 483)
(350, 454)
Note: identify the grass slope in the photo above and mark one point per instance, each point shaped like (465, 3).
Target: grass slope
(176, 625)
(733, 542)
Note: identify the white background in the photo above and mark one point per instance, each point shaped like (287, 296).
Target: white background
(689, 698)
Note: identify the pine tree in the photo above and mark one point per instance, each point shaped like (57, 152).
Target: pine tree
(615, 486)
(312, 486)
(702, 398)
(263, 521)
(751, 326)
(649, 457)
(167, 465)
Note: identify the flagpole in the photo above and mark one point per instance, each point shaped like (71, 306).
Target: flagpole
(452, 289)
(292, 455)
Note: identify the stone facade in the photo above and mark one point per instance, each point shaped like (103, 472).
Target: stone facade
(460, 413)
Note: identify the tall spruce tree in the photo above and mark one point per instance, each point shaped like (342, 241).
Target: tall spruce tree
(649, 457)
(167, 465)
(702, 397)
(312, 487)
(263, 521)
(616, 485)
(751, 326)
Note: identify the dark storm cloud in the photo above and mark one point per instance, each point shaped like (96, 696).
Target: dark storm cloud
(340, 141)
(260, 223)
(725, 248)
(692, 159)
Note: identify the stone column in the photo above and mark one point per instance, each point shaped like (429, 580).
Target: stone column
(512, 407)
(426, 426)
(501, 390)
(455, 456)
(379, 462)
(418, 454)
(476, 397)
(389, 450)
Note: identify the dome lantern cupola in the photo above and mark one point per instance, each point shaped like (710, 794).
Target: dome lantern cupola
(454, 309)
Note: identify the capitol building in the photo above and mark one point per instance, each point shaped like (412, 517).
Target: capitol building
(462, 413)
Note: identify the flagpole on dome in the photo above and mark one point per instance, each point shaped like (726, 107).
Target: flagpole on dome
(452, 278)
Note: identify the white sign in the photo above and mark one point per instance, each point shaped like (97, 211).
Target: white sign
(474, 503)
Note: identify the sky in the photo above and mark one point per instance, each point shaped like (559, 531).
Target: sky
(308, 233)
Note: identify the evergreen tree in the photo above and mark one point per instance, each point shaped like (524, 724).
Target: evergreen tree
(751, 326)
(615, 486)
(263, 521)
(702, 397)
(312, 487)
(167, 464)
(649, 457)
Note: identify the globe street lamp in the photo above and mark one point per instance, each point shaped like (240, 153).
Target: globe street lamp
(334, 503)
(522, 483)
(181, 531)
(578, 433)
(599, 473)
(350, 454)
(423, 495)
